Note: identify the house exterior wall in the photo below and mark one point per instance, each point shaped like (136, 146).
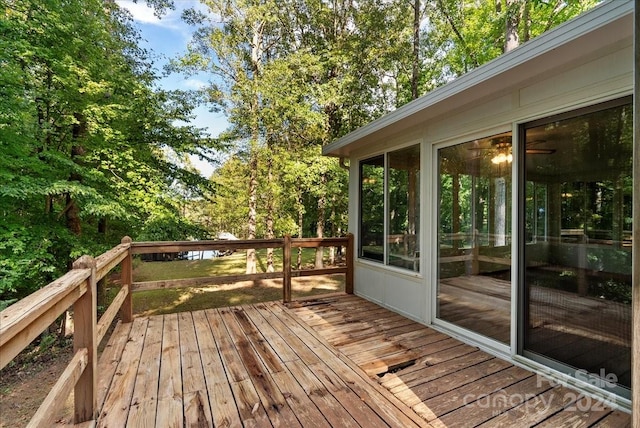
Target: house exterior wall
(596, 80)
(581, 65)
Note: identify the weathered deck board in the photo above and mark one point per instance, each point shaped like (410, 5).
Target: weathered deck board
(110, 358)
(491, 403)
(223, 407)
(247, 366)
(269, 365)
(272, 399)
(448, 383)
(118, 399)
(145, 393)
(385, 404)
(170, 384)
(196, 407)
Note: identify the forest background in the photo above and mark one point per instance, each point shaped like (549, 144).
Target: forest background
(91, 149)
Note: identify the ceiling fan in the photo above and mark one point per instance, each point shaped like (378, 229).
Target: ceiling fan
(501, 146)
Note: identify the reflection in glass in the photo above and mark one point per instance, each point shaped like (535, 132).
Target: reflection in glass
(371, 242)
(404, 208)
(578, 233)
(474, 236)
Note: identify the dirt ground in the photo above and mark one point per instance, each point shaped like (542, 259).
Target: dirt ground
(26, 381)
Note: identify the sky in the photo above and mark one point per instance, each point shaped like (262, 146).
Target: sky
(167, 37)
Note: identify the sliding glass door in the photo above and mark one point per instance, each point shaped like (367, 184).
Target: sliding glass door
(576, 257)
(474, 236)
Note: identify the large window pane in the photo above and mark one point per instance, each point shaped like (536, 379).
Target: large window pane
(404, 208)
(577, 283)
(474, 236)
(371, 242)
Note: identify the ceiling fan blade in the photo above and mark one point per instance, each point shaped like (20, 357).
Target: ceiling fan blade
(540, 151)
(534, 142)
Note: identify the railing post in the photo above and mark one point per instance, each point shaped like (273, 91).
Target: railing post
(85, 327)
(348, 281)
(286, 269)
(126, 278)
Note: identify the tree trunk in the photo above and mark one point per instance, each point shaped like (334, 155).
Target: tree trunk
(72, 210)
(300, 226)
(332, 250)
(322, 202)
(415, 75)
(251, 221)
(257, 49)
(455, 210)
(72, 216)
(270, 196)
(511, 39)
(100, 285)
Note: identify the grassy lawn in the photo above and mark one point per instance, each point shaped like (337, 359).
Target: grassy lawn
(195, 298)
(227, 265)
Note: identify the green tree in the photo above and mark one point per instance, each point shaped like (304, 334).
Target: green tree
(295, 76)
(465, 34)
(84, 139)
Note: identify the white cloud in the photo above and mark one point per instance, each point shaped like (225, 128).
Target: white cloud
(144, 14)
(140, 11)
(195, 83)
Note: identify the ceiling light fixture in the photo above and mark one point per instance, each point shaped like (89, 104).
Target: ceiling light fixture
(503, 153)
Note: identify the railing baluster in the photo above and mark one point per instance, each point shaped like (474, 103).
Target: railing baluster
(348, 280)
(85, 328)
(286, 269)
(126, 278)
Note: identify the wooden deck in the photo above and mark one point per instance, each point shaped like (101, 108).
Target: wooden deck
(255, 365)
(335, 361)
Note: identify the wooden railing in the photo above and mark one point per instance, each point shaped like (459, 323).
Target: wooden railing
(286, 244)
(23, 321)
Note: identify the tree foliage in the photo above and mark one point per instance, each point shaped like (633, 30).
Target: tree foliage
(84, 138)
(464, 34)
(296, 75)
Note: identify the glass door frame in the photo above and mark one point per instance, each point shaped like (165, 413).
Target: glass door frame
(616, 394)
(514, 350)
(484, 342)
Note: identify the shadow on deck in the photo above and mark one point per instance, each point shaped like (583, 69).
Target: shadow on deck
(332, 361)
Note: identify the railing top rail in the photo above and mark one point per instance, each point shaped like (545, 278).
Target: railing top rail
(177, 246)
(110, 259)
(18, 316)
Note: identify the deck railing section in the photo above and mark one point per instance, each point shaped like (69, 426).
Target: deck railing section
(23, 321)
(286, 244)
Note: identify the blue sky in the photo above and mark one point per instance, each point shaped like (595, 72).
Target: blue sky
(167, 37)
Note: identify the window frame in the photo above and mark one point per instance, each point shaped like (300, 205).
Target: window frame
(361, 163)
(419, 186)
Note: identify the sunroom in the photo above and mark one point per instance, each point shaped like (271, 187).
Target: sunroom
(498, 208)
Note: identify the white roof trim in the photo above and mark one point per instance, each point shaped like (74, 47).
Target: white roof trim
(560, 35)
